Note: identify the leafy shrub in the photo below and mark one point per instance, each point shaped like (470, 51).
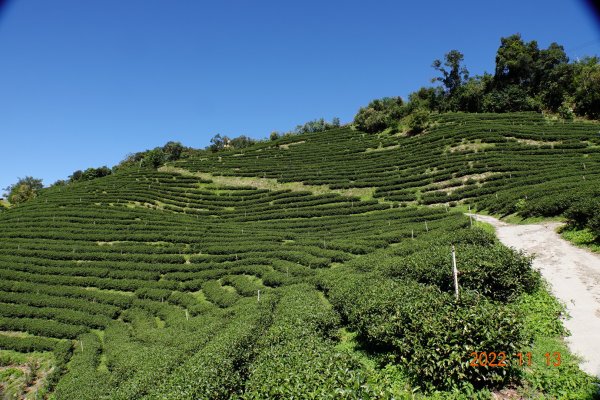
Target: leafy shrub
(297, 358)
(215, 293)
(581, 212)
(152, 293)
(418, 120)
(496, 272)
(427, 331)
(379, 114)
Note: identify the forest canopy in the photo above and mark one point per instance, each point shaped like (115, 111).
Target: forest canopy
(526, 78)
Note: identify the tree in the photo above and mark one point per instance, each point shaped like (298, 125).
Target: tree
(90, 173)
(218, 143)
(155, 158)
(370, 120)
(93, 173)
(76, 176)
(241, 142)
(509, 99)
(173, 150)
(469, 97)
(418, 120)
(587, 84)
(60, 182)
(558, 87)
(516, 61)
(317, 125)
(431, 98)
(274, 135)
(25, 189)
(546, 64)
(380, 114)
(454, 74)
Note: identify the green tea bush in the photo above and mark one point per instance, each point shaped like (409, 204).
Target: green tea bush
(496, 272)
(297, 358)
(585, 212)
(429, 333)
(215, 293)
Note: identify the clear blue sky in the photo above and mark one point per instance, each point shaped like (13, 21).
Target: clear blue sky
(83, 83)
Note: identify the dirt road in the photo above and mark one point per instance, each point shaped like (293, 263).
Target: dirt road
(574, 276)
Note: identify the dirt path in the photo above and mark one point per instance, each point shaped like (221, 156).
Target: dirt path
(574, 276)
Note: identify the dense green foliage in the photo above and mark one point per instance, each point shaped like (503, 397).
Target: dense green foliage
(401, 300)
(380, 114)
(220, 143)
(317, 125)
(526, 78)
(89, 174)
(147, 247)
(24, 189)
(147, 282)
(506, 163)
(156, 157)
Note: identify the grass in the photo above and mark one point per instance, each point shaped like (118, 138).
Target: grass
(542, 315)
(512, 218)
(518, 220)
(388, 378)
(485, 227)
(23, 376)
(580, 237)
(199, 295)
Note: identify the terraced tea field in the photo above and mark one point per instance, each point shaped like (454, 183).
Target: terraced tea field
(154, 284)
(493, 160)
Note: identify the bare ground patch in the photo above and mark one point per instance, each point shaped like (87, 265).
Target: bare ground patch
(474, 147)
(273, 184)
(371, 150)
(286, 146)
(532, 142)
(450, 185)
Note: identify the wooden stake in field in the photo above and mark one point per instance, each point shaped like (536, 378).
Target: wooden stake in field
(455, 272)
(470, 217)
(426, 227)
(258, 296)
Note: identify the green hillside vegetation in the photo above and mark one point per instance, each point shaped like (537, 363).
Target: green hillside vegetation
(144, 283)
(510, 163)
(526, 78)
(316, 263)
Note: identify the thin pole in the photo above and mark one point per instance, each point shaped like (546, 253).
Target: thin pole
(454, 272)
(258, 296)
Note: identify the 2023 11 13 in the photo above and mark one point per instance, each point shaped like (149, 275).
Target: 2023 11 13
(502, 359)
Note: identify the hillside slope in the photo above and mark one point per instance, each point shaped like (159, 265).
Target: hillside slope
(181, 284)
(492, 159)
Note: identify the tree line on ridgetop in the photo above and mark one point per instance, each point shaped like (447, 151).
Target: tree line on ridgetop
(526, 78)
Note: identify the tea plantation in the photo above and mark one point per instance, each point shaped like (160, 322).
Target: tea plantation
(171, 284)
(506, 163)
